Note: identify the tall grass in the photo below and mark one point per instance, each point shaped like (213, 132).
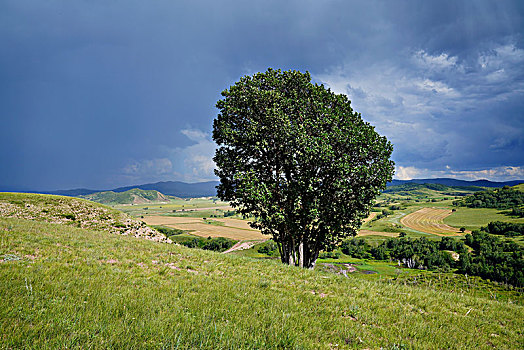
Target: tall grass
(62, 287)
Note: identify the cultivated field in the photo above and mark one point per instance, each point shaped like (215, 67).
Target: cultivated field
(363, 233)
(216, 227)
(475, 218)
(430, 220)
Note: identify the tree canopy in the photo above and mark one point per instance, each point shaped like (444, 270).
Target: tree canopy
(298, 158)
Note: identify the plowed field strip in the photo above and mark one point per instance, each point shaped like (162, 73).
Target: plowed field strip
(430, 220)
(362, 233)
(233, 228)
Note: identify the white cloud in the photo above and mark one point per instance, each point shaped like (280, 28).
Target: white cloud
(197, 158)
(155, 167)
(503, 173)
(193, 163)
(442, 61)
(406, 173)
(438, 109)
(194, 135)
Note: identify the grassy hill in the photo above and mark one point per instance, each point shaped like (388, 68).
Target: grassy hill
(74, 212)
(69, 287)
(133, 196)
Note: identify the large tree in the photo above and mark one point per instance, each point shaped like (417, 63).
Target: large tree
(298, 158)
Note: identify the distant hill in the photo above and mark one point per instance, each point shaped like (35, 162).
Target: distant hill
(74, 212)
(207, 189)
(133, 196)
(421, 189)
(455, 182)
(178, 189)
(170, 188)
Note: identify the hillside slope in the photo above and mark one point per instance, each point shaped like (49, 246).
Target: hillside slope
(66, 287)
(133, 196)
(74, 212)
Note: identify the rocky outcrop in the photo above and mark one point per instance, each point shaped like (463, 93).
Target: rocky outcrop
(75, 212)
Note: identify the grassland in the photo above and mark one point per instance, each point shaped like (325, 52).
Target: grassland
(66, 287)
(216, 227)
(133, 196)
(198, 207)
(475, 218)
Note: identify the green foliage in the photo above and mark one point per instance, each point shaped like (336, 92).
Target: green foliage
(503, 198)
(168, 231)
(69, 216)
(127, 197)
(80, 289)
(356, 248)
(329, 255)
(414, 253)
(518, 212)
(297, 157)
(507, 229)
(494, 259)
(269, 248)
(218, 244)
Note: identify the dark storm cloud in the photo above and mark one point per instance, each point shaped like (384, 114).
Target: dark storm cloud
(102, 94)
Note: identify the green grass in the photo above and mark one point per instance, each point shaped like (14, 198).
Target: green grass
(64, 287)
(474, 218)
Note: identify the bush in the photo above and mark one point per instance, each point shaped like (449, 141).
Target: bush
(218, 244)
(356, 248)
(269, 248)
(329, 255)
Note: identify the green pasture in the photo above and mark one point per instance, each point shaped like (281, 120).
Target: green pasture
(64, 287)
(474, 218)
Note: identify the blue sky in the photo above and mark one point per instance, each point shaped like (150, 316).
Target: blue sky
(101, 94)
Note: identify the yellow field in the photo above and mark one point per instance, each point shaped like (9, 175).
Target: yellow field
(362, 233)
(233, 228)
(430, 220)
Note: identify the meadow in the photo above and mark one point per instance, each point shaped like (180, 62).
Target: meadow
(66, 287)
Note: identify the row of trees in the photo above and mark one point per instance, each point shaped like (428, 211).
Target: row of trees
(218, 244)
(414, 253)
(491, 257)
(503, 198)
(507, 229)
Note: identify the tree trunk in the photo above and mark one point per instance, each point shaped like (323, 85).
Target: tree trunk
(301, 254)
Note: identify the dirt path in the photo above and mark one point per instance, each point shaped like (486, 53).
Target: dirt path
(430, 220)
(370, 217)
(242, 245)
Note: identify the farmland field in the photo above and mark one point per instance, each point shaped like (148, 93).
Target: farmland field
(216, 227)
(475, 218)
(430, 220)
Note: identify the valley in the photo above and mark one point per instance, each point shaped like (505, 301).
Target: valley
(78, 276)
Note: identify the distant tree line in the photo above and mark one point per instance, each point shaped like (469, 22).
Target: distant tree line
(504, 198)
(218, 244)
(414, 253)
(518, 212)
(507, 229)
(491, 257)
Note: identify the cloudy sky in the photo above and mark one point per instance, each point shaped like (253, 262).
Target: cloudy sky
(101, 94)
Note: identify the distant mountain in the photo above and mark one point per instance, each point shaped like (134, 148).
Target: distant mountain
(170, 188)
(207, 189)
(133, 196)
(178, 189)
(455, 182)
